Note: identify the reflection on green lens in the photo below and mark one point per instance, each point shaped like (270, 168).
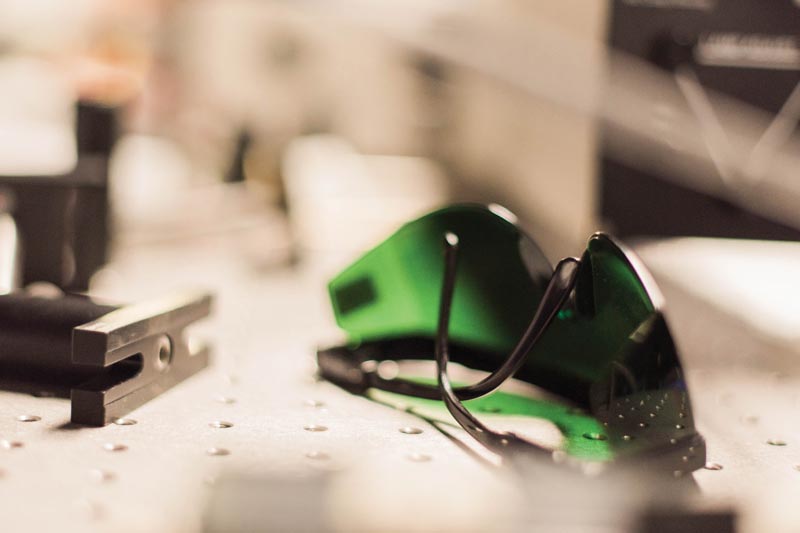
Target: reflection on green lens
(576, 426)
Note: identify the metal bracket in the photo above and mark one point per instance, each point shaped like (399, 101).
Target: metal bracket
(108, 360)
(153, 333)
(148, 338)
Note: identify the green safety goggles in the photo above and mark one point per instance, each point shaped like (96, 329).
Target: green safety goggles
(466, 284)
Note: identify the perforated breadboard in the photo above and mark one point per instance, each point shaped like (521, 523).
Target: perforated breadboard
(259, 411)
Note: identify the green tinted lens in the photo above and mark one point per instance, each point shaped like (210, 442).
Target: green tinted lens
(593, 335)
(610, 351)
(393, 291)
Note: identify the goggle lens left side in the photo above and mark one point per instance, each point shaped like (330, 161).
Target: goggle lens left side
(393, 291)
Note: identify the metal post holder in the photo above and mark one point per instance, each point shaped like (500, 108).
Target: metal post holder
(108, 360)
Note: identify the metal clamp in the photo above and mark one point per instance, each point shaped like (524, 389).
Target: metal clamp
(116, 361)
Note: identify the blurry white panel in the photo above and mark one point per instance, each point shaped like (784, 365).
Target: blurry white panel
(754, 282)
(44, 23)
(36, 119)
(345, 202)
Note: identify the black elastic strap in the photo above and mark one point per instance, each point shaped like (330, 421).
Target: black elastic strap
(346, 368)
(501, 443)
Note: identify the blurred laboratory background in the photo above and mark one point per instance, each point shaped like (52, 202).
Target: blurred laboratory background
(643, 118)
(256, 147)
